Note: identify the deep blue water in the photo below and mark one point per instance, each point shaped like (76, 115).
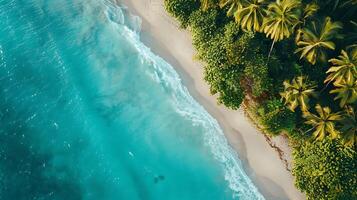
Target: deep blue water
(89, 112)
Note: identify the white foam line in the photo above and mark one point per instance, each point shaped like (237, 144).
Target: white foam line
(185, 105)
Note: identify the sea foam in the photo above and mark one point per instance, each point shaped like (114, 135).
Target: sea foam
(163, 73)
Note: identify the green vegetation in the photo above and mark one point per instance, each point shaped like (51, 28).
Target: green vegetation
(297, 93)
(281, 18)
(295, 63)
(324, 123)
(276, 117)
(326, 170)
(182, 9)
(316, 40)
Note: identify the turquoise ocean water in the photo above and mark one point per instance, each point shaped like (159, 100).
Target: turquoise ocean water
(89, 112)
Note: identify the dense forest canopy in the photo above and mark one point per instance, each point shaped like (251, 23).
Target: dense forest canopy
(296, 61)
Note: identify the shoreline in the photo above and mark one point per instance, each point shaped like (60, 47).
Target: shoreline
(260, 161)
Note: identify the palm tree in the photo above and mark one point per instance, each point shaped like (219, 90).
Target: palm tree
(324, 123)
(344, 68)
(349, 127)
(316, 39)
(308, 12)
(346, 90)
(282, 17)
(297, 92)
(205, 4)
(251, 15)
(234, 6)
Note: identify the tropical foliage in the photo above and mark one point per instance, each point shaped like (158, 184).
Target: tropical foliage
(297, 93)
(316, 39)
(324, 123)
(250, 16)
(181, 9)
(349, 127)
(344, 68)
(275, 117)
(304, 88)
(282, 17)
(205, 4)
(309, 11)
(234, 6)
(346, 91)
(326, 170)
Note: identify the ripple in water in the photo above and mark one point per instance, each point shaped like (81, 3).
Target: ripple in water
(89, 112)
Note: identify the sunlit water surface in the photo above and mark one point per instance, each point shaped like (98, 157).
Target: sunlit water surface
(89, 112)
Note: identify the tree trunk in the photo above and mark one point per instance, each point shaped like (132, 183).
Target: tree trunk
(271, 49)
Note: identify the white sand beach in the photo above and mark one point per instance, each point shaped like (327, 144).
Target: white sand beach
(261, 162)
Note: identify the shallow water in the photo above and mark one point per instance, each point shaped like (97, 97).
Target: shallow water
(89, 112)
